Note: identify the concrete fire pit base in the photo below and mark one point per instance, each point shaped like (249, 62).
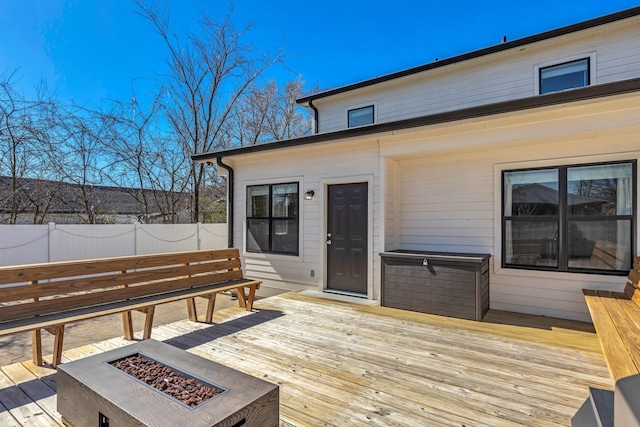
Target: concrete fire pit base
(91, 392)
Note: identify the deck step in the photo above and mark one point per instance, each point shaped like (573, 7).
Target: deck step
(596, 411)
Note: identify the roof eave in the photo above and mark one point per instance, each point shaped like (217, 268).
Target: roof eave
(602, 20)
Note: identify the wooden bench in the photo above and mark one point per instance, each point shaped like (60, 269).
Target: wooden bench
(50, 295)
(616, 317)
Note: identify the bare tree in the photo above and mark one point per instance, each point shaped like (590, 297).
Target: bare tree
(84, 149)
(210, 71)
(269, 114)
(144, 161)
(28, 149)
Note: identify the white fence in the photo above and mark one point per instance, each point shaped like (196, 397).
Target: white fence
(28, 244)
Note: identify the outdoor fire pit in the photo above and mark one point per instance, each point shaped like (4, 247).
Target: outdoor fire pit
(154, 384)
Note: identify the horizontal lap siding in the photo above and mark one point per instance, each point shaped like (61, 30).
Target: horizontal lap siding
(446, 206)
(493, 78)
(446, 202)
(311, 167)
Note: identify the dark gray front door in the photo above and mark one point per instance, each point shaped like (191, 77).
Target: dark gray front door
(347, 238)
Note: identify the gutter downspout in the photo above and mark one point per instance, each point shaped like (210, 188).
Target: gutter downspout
(315, 116)
(230, 183)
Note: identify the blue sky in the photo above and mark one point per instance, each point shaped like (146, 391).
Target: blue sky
(90, 50)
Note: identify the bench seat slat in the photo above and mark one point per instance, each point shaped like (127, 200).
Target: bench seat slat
(619, 309)
(74, 315)
(613, 346)
(632, 310)
(616, 317)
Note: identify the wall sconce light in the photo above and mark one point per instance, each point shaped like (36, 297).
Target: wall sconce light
(309, 195)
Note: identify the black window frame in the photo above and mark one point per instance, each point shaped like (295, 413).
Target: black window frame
(373, 115)
(272, 219)
(564, 218)
(541, 69)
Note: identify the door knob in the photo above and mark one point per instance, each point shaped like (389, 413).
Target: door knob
(328, 242)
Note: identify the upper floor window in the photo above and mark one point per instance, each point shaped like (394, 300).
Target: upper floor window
(568, 75)
(360, 116)
(272, 218)
(570, 218)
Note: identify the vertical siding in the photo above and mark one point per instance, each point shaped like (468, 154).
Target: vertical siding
(493, 78)
(391, 205)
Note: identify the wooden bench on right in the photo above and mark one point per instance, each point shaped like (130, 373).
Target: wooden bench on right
(616, 317)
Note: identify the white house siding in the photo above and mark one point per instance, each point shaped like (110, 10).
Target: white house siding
(448, 181)
(502, 76)
(438, 188)
(313, 167)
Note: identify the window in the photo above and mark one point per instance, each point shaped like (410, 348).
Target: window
(570, 218)
(564, 76)
(360, 116)
(272, 218)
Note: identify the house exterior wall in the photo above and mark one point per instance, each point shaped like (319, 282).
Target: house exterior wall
(497, 77)
(314, 168)
(438, 188)
(449, 190)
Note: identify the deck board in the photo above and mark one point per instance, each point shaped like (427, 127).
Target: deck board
(346, 364)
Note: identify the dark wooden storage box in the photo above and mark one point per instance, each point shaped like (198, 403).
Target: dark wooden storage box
(447, 284)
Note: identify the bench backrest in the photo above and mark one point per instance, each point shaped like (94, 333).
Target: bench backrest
(632, 288)
(38, 289)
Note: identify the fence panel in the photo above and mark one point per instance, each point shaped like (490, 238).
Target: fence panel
(24, 244)
(82, 241)
(213, 236)
(158, 238)
(28, 244)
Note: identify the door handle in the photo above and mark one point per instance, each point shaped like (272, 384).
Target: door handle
(328, 242)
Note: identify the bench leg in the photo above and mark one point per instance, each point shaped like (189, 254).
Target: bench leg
(36, 347)
(57, 345)
(148, 322)
(242, 299)
(127, 324)
(252, 296)
(191, 309)
(210, 306)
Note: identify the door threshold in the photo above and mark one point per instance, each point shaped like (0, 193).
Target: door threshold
(345, 293)
(350, 297)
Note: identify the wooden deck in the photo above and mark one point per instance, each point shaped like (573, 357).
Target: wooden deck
(341, 364)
